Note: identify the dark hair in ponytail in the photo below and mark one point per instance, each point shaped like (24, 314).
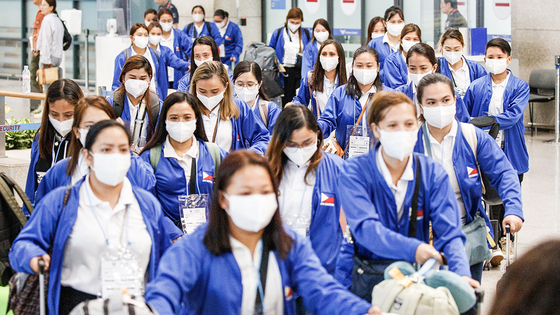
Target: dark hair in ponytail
(221, 13)
(352, 87)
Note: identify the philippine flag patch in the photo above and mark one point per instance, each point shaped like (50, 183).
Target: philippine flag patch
(420, 214)
(207, 177)
(473, 172)
(228, 38)
(327, 199)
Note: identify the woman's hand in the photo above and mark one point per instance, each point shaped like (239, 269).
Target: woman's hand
(425, 252)
(34, 263)
(514, 222)
(375, 310)
(473, 283)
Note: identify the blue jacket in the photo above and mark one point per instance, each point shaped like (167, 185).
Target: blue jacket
(189, 273)
(119, 63)
(370, 209)
(140, 174)
(233, 43)
(461, 113)
(50, 227)
(214, 32)
(310, 53)
(493, 163)
(171, 181)
(383, 50)
(125, 116)
(395, 72)
(325, 232)
(273, 112)
(475, 69)
(516, 97)
(169, 59)
(182, 49)
(303, 97)
(277, 41)
(342, 110)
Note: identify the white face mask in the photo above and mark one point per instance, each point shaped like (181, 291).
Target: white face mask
(155, 39)
(365, 76)
(83, 136)
(293, 27)
(300, 156)
(251, 212)
(398, 144)
(329, 63)
(439, 116)
(210, 102)
(321, 36)
(221, 24)
(452, 56)
(199, 62)
(147, 23)
(407, 44)
(180, 131)
(376, 35)
(166, 26)
(141, 41)
(64, 127)
(496, 66)
(395, 29)
(247, 94)
(415, 78)
(136, 87)
(198, 17)
(110, 169)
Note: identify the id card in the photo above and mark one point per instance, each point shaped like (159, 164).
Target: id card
(118, 276)
(358, 145)
(193, 210)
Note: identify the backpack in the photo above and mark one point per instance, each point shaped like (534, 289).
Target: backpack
(265, 57)
(12, 220)
(155, 155)
(114, 305)
(191, 25)
(67, 38)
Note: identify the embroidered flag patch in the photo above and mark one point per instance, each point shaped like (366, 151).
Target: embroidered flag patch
(473, 172)
(208, 178)
(327, 199)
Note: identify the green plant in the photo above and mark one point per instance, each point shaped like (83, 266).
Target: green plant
(19, 139)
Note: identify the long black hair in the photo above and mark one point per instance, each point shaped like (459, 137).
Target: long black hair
(208, 41)
(253, 67)
(352, 87)
(161, 131)
(316, 83)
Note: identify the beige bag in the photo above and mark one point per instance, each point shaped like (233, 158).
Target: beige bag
(47, 75)
(416, 299)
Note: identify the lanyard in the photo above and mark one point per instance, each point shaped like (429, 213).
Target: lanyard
(453, 77)
(428, 144)
(217, 123)
(193, 182)
(101, 227)
(55, 156)
(262, 272)
(284, 197)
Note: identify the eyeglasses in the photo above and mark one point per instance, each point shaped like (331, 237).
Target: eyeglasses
(246, 85)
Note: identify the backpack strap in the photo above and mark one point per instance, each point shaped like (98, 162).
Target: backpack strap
(155, 155)
(126, 53)
(215, 153)
(306, 31)
(6, 190)
(415, 195)
(263, 110)
(118, 102)
(208, 28)
(189, 28)
(469, 132)
(155, 53)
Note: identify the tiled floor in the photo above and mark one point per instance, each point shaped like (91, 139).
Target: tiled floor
(541, 203)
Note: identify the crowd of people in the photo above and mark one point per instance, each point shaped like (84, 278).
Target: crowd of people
(241, 205)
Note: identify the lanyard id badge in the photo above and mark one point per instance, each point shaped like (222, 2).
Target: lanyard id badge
(120, 274)
(193, 210)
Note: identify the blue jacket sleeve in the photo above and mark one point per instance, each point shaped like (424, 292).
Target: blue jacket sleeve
(468, 100)
(516, 108)
(50, 181)
(363, 217)
(494, 163)
(184, 83)
(273, 41)
(30, 182)
(238, 43)
(175, 62)
(141, 174)
(119, 63)
(215, 34)
(328, 120)
(186, 45)
(391, 73)
(171, 230)
(254, 130)
(303, 97)
(273, 112)
(321, 293)
(308, 60)
(344, 264)
(461, 113)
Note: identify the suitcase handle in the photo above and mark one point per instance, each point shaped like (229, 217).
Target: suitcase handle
(41, 266)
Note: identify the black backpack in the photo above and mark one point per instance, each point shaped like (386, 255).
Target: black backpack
(67, 39)
(12, 220)
(191, 25)
(265, 57)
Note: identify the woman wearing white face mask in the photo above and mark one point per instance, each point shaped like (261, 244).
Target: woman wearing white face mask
(134, 102)
(347, 105)
(139, 36)
(245, 243)
(389, 43)
(232, 46)
(179, 149)
(289, 42)
(229, 122)
(448, 142)
(199, 27)
(377, 190)
(247, 79)
(168, 61)
(87, 112)
(101, 219)
(204, 49)
(329, 73)
(307, 177)
(454, 65)
(321, 33)
(51, 143)
(421, 61)
(395, 72)
(376, 27)
(179, 44)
